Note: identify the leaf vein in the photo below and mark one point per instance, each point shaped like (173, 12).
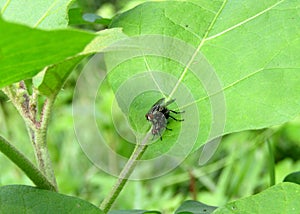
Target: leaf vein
(5, 6)
(45, 14)
(197, 50)
(243, 22)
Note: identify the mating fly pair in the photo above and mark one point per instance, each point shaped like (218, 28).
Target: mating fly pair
(158, 115)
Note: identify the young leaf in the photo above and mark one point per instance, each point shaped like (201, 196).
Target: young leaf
(27, 199)
(195, 207)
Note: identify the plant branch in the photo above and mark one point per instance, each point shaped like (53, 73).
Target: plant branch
(37, 129)
(18, 96)
(39, 137)
(25, 165)
(125, 174)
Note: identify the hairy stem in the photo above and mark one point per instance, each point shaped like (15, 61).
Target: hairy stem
(25, 165)
(37, 129)
(125, 174)
(39, 138)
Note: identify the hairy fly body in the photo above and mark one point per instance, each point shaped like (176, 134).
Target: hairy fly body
(159, 114)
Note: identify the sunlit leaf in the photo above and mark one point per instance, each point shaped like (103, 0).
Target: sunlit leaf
(236, 62)
(44, 14)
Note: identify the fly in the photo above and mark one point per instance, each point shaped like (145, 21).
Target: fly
(159, 114)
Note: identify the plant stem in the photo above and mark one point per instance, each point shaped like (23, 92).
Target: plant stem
(27, 107)
(25, 165)
(39, 137)
(271, 162)
(124, 175)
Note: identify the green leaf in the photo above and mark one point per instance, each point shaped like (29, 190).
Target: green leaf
(47, 14)
(293, 177)
(94, 18)
(281, 198)
(194, 207)
(25, 51)
(26, 199)
(132, 212)
(232, 65)
(51, 80)
(53, 77)
(77, 17)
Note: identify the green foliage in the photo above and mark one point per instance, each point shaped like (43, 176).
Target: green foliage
(282, 198)
(256, 66)
(26, 199)
(133, 212)
(35, 49)
(44, 15)
(293, 177)
(244, 53)
(194, 207)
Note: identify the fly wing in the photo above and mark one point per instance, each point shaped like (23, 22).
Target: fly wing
(155, 108)
(169, 102)
(160, 102)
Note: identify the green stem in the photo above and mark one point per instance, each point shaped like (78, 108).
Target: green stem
(271, 161)
(124, 175)
(39, 138)
(25, 165)
(27, 107)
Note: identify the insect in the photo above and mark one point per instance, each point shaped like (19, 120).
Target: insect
(159, 114)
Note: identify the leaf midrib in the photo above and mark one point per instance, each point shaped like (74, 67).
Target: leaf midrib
(47, 12)
(197, 50)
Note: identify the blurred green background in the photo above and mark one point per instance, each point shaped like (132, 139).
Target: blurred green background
(239, 168)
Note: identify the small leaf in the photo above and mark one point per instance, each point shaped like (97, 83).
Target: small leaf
(76, 17)
(94, 18)
(194, 207)
(281, 198)
(133, 212)
(293, 177)
(27, 199)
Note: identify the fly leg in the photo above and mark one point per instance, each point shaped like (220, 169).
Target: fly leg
(179, 120)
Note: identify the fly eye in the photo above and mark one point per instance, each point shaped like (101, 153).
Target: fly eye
(148, 116)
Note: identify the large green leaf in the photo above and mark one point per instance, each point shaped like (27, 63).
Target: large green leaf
(236, 64)
(282, 198)
(26, 199)
(25, 51)
(44, 14)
